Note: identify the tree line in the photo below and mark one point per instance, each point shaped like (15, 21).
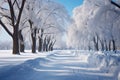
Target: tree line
(41, 19)
(96, 27)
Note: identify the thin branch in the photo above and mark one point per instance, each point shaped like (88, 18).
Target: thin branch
(49, 15)
(6, 16)
(11, 11)
(3, 25)
(20, 12)
(17, 5)
(115, 4)
(49, 27)
(54, 42)
(14, 2)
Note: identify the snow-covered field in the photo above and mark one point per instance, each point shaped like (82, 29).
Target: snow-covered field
(60, 65)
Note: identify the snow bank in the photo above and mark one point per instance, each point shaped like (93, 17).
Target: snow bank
(108, 62)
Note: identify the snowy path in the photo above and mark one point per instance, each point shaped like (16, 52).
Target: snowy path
(6, 57)
(61, 65)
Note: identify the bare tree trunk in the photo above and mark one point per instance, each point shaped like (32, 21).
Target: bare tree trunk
(15, 42)
(97, 45)
(51, 47)
(46, 49)
(114, 45)
(21, 42)
(33, 45)
(95, 40)
(22, 47)
(44, 44)
(40, 46)
(16, 27)
(33, 35)
(106, 47)
(48, 43)
(109, 45)
(102, 45)
(15, 21)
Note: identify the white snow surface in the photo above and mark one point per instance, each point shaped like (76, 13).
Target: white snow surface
(60, 65)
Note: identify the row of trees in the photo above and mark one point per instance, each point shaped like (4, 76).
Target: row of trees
(111, 17)
(39, 19)
(96, 26)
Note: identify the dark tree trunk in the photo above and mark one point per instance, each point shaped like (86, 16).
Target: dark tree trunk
(89, 47)
(95, 40)
(46, 47)
(15, 42)
(33, 35)
(110, 45)
(40, 47)
(50, 46)
(21, 42)
(47, 43)
(15, 20)
(33, 45)
(102, 45)
(44, 44)
(22, 47)
(114, 45)
(97, 45)
(106, 47)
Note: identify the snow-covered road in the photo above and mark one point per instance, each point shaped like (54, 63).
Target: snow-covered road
(6, 57)
(60, 65)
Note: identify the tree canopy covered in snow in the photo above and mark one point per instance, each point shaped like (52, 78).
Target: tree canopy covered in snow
(95, 22)
(44, 21)
(49, 17)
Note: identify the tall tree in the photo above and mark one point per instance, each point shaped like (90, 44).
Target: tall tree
(14, 11)
(31, 14)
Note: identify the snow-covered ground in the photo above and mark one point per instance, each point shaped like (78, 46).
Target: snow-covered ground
(60, 65)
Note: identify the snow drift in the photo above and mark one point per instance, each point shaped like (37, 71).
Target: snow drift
(62, 65)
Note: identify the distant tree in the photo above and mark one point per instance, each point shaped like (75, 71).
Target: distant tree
(40, 42)
(53, 21)
(31, 12)
(45, 18)
(96, 42)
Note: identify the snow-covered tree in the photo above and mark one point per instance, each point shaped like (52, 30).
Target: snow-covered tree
(46, 19)
(54, 19)
(10, 17)
(96, 21)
